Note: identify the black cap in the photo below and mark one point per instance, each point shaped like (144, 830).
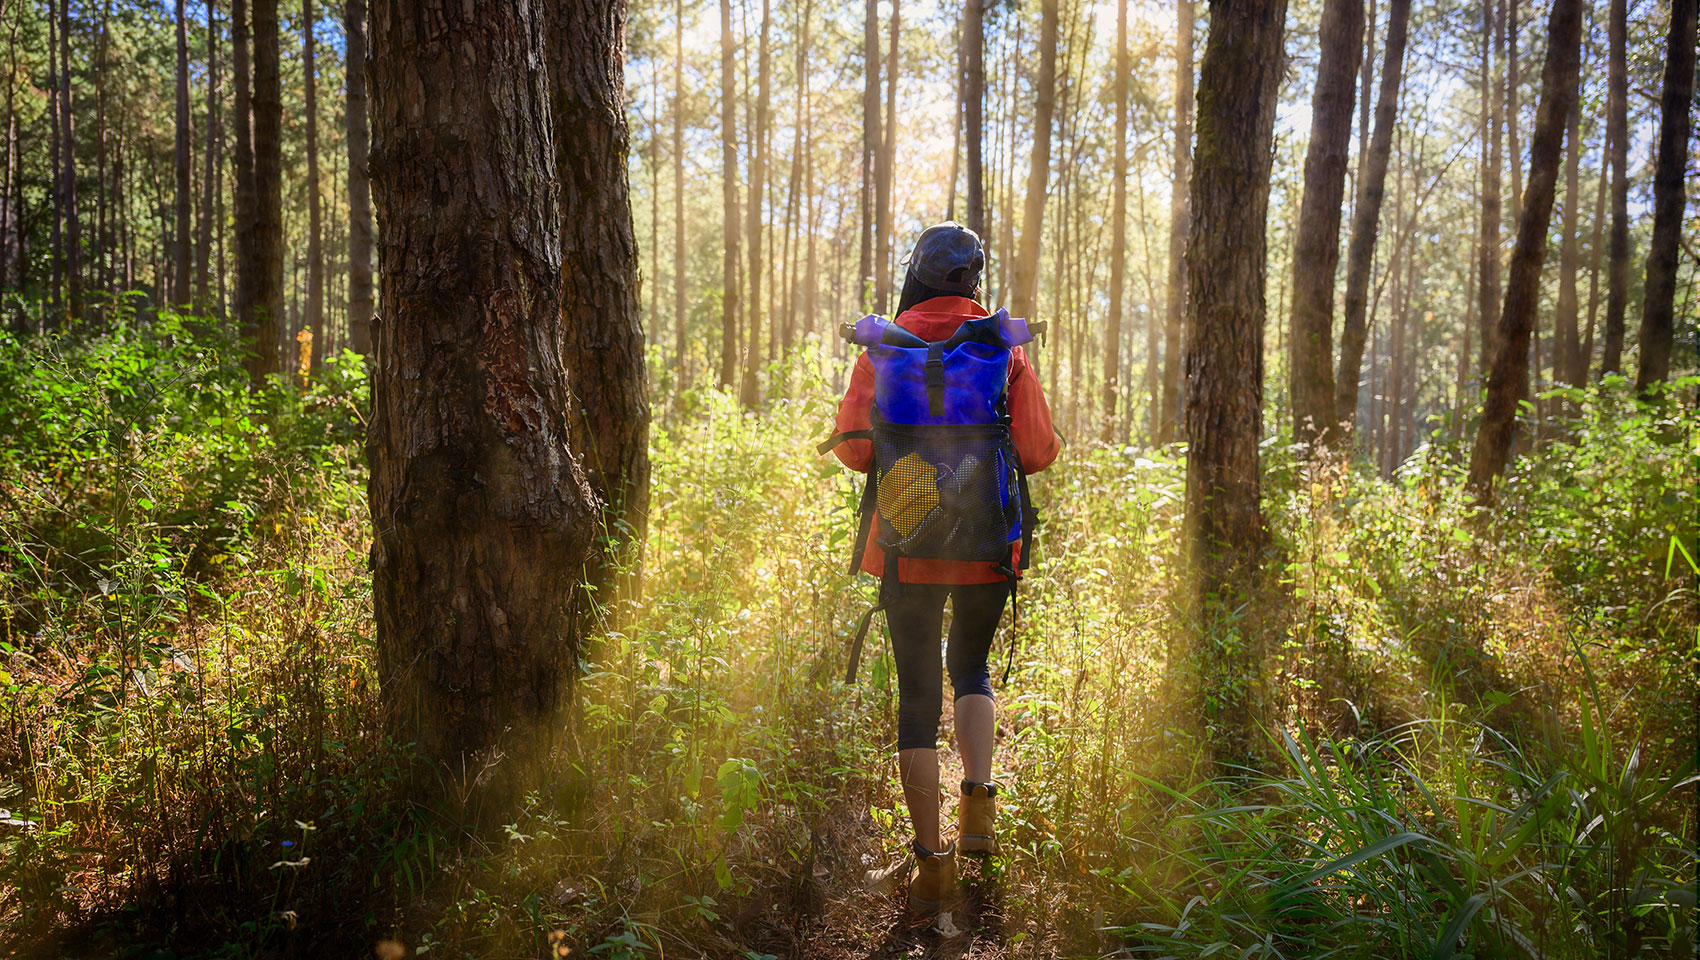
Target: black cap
(948, 257)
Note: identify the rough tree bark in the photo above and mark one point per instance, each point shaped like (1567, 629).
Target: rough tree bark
(604, 343)
(1316, 248)
(1174, 309)
(483, 521)
(359, 184)
(1366, 221)
(1024, 282)
(1659, 298)
(1617, 132)
(1118, 236)
(1507, 380)
(182, 257)
(315, 319)
(1239, 82)
(729, 201)
(268, 292)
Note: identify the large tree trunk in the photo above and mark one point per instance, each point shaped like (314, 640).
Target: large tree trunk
(483, 521)
(871, 152)
(73, 231)
(267, 289)
(1617, 132)
(751, 387)
(1118, 236)
(1507, 380)
(1175, 309)
(681, 359)
(973, 111)
(182, 257)
(1366, 221)
(210, 169)
(315, 319)
(884, 220)
(359, 186)
(1316, 249)
(1239, 82)
(1658, 309)
(730, 231)
(243, 208)
(1024, 284)
(604, 341)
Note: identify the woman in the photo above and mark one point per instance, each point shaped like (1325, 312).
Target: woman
(939, 294)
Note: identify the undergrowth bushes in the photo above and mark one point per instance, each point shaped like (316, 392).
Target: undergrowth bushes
(1478, 737)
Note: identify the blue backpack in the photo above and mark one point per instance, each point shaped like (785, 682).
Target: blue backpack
(946, 481)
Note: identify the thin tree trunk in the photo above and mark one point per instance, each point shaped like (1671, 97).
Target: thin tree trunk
(483, 523)
(209, 174)
(1024, 285)
(268, 251)
(1492, 105)
(1316, 247)
(1514, 149)
(751, 392)
(1617, 132)
(1118, 235)
(359, 184)
(973, 109)
(1659, 304)
(603, 343)
(681, 358)
(1507, 378)
(872, 141)
(1175, 307)
(315, 319)
(1586, 360)
(730, 231)
(1366, 81)
(182, 248)
(67, 113)
(884, 219)
(1566, 345)
(242, 163)
(56, 165)
(1366, 221)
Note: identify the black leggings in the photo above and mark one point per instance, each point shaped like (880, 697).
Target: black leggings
(916, 619)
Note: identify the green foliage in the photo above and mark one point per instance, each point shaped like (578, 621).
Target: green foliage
(1476, 727)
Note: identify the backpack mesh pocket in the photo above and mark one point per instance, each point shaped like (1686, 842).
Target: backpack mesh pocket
(946, 492)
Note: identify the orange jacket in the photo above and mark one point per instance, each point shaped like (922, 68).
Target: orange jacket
(1030, 427)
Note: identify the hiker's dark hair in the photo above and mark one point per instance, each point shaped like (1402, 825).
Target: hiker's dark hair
(915, 292)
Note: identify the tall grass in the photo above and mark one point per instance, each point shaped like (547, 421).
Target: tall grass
(1478, 739)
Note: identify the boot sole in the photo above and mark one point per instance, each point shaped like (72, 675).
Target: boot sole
(975, 843)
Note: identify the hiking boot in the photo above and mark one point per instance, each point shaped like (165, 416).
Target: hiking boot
(932, 881)
(977, 817)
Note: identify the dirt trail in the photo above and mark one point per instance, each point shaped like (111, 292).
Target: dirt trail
(845, 917)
